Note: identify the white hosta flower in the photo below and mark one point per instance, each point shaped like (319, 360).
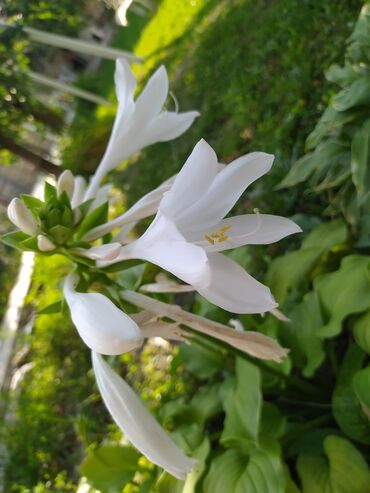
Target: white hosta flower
(191, 215)
(101, 252)
(137, 423)
(164, 284)
(66, 183)
(78, 191)
(139, 123)
(102, 326)
(22, 217)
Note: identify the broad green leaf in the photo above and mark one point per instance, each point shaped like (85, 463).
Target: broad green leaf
(291, 487)
(273, 423)
(15, 239)
(110, 467)
(344, 292)
(52, 308)
(326, 235)
(361, 385)
(300, 171)
(343, 76)
(168, 484)
(360, 161)
(201, 361)
(243, 408)
(342, 470)
(131, 278)
(206, 403)
(346, 407)
(361, 331)
(200, 454)
(97, 217)
(358, 93)
(302, 334)
(330, 120)
(233, 472)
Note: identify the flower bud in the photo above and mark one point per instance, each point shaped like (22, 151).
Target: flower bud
(21, 217)
(44, 244)
(65, 183)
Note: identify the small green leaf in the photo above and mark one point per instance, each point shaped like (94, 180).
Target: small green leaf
(330, 120)
(14, 239)
(85, 206)
(110, 467)
(97, 217)
(52, 308)
(361, 385)
(32, 202)
(60, 234)
(361, 331)
(358, 93)
(131, 278)
(50, 192)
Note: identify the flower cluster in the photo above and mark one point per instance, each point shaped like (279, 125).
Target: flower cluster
(186, 238)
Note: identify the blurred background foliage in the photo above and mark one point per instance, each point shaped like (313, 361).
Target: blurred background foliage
(291, 78)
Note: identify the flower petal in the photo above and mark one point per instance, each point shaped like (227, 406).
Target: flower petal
(125, 83)
(101, 325)
(109, 251)
(248, 229)
(137, 424)
(78, 191)
(233, 289)
(225, 190)
(192, 182)
(22, 217)
(163, 245)
(169, 125)
(152, 98)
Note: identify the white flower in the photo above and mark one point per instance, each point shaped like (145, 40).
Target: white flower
(44, 244)
(102, 326)
(66, 183)
(138, 425)
(139, 123)
(22, 217)
(189, 230)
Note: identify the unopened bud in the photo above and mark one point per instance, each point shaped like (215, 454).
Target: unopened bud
(44, 244)
(21, 217)
(66, 183)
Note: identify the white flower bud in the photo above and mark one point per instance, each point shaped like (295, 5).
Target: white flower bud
(66, 183)
(44, 244)
(21, 217)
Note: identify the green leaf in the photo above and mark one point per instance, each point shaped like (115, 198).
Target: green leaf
(32, 202)
(119, 266)
(131, 278)
(361, 331)
(243, 408)
(110, 467)
(326, 235)
(97, 217)
(344, 292)
(52, 308)
(201, 361)
(206, 403)
(360, 161)
(302, 334)
(358, 93)
(342, 470)
(361, 385)
(200, 454)
(346, 407)
(50, 192)
(330, 120)
(15, 239)
(60, 234)
(233, 472)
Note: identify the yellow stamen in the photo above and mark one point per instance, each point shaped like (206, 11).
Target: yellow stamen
(209, 239)
(218, 235)
(223, 238)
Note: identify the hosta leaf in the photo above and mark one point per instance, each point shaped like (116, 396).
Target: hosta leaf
(356, 94)
(361, 385)
(243, 408)
(360, 161)
(330, 120)
(201, 361)
(52, 308)
(361, 331)
(259, 472)
(326, 235)
(344, 292)
(110, 467)
(15, 239)
(346, 407)
(200, 454)
(341, 470)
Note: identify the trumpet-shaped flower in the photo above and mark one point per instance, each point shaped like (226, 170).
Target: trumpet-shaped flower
(139, 123)
(190, 225)
(102, 326)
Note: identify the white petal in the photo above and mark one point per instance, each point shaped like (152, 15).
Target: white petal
(78, 191)
(152, 98)
(125, 83)
(101, 197)
(233, 289)
(137, 424)
(44, 244)
(169, 125)
(253, 343)
(193, 180)
(102, 252)
(165, 330)
(163, 245)
(225, 190)
(66, 183)
(248, 229)
(22, 217)
(102, 326)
